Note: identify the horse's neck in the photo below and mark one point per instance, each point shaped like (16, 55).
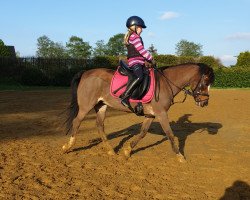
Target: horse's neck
(180, 76)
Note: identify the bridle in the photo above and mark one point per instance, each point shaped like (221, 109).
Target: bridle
(198, 92)
(194, 93)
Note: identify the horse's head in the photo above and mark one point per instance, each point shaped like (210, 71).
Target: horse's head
(201, 84)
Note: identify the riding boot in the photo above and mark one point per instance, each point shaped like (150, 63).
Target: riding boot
(126, 95)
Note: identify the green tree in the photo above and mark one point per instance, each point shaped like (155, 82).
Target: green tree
(46, 48)
(43, 46)
(152, 50)
(58, 51)
(4, 51)
(115, 45)
(243, 60)
(18, 54)
(100, 49)
(77, 48)
(186, 48)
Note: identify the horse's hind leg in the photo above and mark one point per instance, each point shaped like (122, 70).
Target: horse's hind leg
(163, 119)
(75, 126)
(100, 109)
(144, 129)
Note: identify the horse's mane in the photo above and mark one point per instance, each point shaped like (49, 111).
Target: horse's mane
(171, 66)
(203, 69)
(206, 70)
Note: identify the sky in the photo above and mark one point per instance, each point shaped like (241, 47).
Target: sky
(222, 27)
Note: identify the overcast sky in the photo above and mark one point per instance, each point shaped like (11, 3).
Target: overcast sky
(222, 27)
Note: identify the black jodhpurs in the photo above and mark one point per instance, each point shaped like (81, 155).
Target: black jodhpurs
(138, 72)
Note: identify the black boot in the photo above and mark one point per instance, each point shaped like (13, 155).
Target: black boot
(126, 95)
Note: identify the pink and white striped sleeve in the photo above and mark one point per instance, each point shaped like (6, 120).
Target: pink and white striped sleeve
(136, 41)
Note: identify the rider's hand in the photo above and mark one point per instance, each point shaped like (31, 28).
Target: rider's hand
(153, 62)
(150, 63)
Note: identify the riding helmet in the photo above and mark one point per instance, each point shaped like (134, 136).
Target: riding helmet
(135, 20)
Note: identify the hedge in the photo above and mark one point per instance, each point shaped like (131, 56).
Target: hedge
(224, 77)
(168, 60)
(35, 73)
(234, 77)
(37, 77)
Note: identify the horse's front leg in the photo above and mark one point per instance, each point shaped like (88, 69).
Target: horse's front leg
(144, 129)
(101, 113)
(164, 121)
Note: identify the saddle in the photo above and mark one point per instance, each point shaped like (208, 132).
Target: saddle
(144, 93)
(143, 88)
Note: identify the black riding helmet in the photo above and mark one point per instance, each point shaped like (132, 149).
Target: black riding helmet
(135, 20)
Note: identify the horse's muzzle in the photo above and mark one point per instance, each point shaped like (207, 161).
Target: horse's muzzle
(201, 103)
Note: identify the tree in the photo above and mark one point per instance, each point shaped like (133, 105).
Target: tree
(77, 48)
(115, 45)
(4, 51)
(49, 49)
(152, 50)
(18, 54)
(101, 49)
(186, 48)
(58, 51)
(43, 46)
(243, 60)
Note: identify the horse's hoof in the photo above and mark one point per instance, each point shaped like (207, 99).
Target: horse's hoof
(111, 153)
(127, 152)
(181, 158)
(65, 148)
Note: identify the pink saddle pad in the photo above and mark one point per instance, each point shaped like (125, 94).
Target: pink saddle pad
(119, 80)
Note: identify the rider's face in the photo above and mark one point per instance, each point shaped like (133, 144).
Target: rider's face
(138, 30)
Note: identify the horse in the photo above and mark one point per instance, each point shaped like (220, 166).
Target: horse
(91, 89)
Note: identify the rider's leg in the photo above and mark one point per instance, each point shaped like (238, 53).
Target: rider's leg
(138, 72)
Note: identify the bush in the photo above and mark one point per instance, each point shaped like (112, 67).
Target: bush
(186, 59)
(34, 76)
(232, 77)
(166, 60)
(45, 74)
(210, 61)
(61, 77)
(105, 61)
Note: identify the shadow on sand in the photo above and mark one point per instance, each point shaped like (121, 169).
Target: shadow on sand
(182, 128)
(240, 190)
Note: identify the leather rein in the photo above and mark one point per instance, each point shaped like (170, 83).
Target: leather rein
(194, 93)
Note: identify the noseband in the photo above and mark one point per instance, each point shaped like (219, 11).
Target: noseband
(197, 91)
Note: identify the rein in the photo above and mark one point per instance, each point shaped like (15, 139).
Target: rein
(186, 91)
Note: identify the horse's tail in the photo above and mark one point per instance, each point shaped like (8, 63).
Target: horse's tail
(73, 107)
